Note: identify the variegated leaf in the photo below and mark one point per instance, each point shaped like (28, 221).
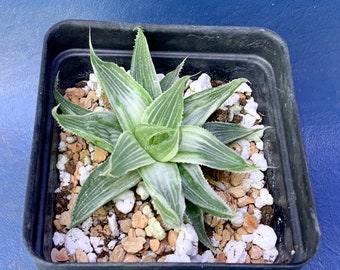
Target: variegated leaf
(199, 106)
(229, 132)
(100, 128)
(171, 77)
(197, 190)
(163, 183)
(167, 109)
(199, 146)
(196, 219)
(127, 156)
(98, 190)
(66, 106)
(160, 142)
(127, 98)
(142, 68)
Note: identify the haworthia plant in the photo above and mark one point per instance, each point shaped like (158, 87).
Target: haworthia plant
(156, 136)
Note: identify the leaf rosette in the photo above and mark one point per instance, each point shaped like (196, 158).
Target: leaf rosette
(155, 135)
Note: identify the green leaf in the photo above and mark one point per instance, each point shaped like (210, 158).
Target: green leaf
(127, 98)
(197, 190)
(160, 142)
(127, 156)
(98, 190)
(199, 146)
(67, 106)
(100, 128)
(229, 132)
(171, 77)
(196, 219)
(199, 106)
(167, 109)
(142, 68)
(163, 183)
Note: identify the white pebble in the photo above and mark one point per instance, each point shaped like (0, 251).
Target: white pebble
(62, 147)
(244, 88)
(113, 225)
(245, 145)
(265, 237)
(257, 179)
(125, 201)
(76, 239)
(235, 251)
(84, 173)
(214, 242)
(270, 255)
(187, 241)
(232, 100)
(247, 237)
(141, 191)
(257, 214)
(62, 160)
(202, 83)
(64, 178)
(251, 108)
(259, 161)
(238, 219)
(208, 257)
(160, 76)
(86, 225)
(71, 139)
(177, 258)
(97, 244)
(265, 198)
(111, 245)
(248, 121)
(58, 239)
(92, 257)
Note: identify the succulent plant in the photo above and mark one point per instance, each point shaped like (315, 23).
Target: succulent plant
(155, 135)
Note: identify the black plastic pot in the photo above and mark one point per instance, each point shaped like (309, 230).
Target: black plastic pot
(222, 52)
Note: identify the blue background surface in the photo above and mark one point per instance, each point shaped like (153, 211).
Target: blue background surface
(310, 28)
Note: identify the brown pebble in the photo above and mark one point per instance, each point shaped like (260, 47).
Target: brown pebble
(132, 233)
(59, 255)
(99, 155)
(118, 254)
(220, 257)
(261, 260)
(172, 238)
(255, 252)
(154, 244)
(83, 154)
(74, 94)
(131, 258)
(148, 258)
(81, 256)
(139, 220)
(236, 178)
(162, 259)
(75, 147)
(140, 233)
(237, 192)
(245, 200)
(62, 255)
(65, 218)
(250, 223)
(133, 245)
(125, 225)
(57, 225)
(218, 237)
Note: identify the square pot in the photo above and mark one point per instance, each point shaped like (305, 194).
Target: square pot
(223, 52)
